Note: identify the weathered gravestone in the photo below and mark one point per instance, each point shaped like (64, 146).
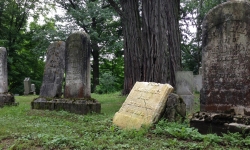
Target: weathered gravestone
(27, 86)
(54, 71)
(3, 71)
(5, 97)
(225, 57)
(33, 89)
(143, 106)
(77, 81)
(198, 82)
(185, 88)
(226, 68)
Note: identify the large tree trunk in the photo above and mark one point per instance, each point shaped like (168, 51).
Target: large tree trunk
(172, 14)
(155, 41)
(132, 43)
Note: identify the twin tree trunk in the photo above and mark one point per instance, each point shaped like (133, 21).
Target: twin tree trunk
(151, 41)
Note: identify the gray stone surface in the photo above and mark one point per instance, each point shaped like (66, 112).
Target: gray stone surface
(77, 69)
(197, 82)
(7, 99)
(175, 108)
(189, 101)
(184, 82)
(33, 88)
(82, 107)
(225, 57)
(54, 71)
(3, 71)
(27, 86)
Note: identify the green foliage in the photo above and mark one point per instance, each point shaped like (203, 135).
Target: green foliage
(192, 15)
(107, 84)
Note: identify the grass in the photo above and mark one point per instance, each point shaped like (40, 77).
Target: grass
(23, 128)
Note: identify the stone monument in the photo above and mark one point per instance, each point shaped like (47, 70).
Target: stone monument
(143, 106)
(185, 88)
(225, 57)
(75, 56)
(5, 97)
(54, 71)
(27, 86)
(225, 66)
(77, 81)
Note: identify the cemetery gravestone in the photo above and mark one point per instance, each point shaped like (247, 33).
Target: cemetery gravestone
(3, 71)
(27, 86)
(54, 70)
(225, 58)
(198, 82)
(143, 106)
(77, 81)
(185, 87)
(33, 89)
(5, 97)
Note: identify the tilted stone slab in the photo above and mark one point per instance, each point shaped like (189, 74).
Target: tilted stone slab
(143, 106)
(54, 70)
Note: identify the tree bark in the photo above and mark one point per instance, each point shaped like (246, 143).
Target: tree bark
(172, 14)
(132, 43)
(155, 41)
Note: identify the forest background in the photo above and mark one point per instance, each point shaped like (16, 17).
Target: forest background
(131, 40)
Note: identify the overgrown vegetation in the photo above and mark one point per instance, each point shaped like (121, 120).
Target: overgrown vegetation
(23, 128)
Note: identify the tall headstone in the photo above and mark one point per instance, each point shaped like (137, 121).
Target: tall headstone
(5, 97)
(27, 86)
(54, 70)
(143, 106)
(77, 69)
(3, 71)
(185, 88)
(226, 58)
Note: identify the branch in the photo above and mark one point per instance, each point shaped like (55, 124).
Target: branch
(116, 7)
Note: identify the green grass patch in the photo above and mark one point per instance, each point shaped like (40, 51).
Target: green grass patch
(23, 128)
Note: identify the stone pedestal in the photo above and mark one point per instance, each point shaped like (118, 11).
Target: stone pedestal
(220, 123)
(7, 99)
(78, 106)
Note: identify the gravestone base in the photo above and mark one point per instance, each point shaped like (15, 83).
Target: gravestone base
(220, 123)
(77, 106)
(7, 99)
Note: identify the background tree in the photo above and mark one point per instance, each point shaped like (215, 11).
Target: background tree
(24, 59)
(151, 40)
(192, 14)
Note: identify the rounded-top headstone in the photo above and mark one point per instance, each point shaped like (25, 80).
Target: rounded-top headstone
(3, 71)
(77, 70)
(226, 57)
(54, 70)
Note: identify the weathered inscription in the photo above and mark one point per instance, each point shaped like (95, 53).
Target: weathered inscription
(143, 105)
(77, 81)
(226, 57)
(54, 70)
